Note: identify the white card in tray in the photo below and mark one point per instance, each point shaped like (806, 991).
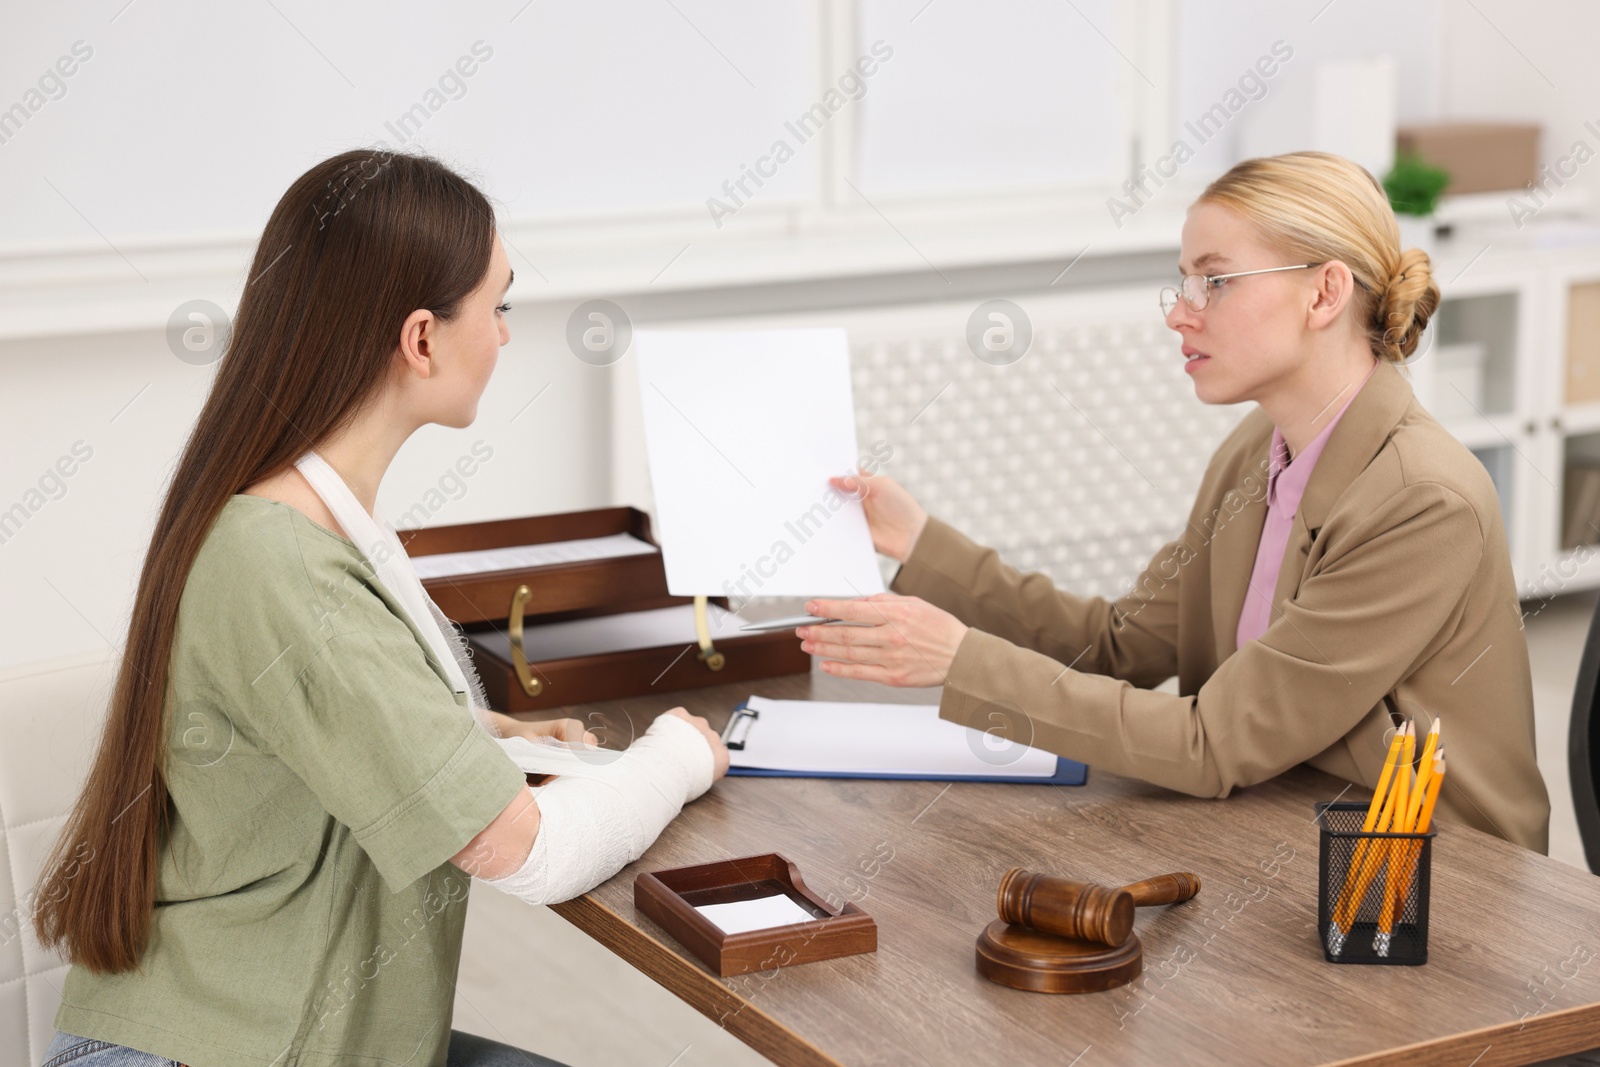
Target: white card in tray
(763, 913)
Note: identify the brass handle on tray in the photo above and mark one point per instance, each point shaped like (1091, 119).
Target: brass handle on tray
(519, 660)
(702, 628)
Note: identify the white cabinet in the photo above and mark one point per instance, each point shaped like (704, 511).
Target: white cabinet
(1494, 370)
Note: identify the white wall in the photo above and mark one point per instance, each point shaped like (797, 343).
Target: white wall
(1217, 51)
(581, 106)
(191, 118)
(1528, 61)
(67, 577)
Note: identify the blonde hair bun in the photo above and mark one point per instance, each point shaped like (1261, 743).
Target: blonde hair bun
(1409, 301)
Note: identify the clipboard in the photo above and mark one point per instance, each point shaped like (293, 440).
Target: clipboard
(931, 761)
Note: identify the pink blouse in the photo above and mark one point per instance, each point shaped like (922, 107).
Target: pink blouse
(1286, 484)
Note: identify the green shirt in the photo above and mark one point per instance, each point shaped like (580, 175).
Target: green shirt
(321, 774)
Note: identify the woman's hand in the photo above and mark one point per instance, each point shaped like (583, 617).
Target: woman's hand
(893, 515)
(571, 730)
(719, 751)
(911, 642)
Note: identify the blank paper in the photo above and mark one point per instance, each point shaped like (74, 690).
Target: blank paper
(743, 430)
(741, 916)
(869, 739)
(484, 560)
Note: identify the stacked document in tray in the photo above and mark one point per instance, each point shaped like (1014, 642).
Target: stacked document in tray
(450, 564)
(600, 634)
(822, 739)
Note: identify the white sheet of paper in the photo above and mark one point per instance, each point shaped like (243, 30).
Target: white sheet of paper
(816, 735)
(763, 913)
(743, 430)
(449, 564)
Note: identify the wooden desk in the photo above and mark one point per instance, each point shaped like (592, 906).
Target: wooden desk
(1233, 977)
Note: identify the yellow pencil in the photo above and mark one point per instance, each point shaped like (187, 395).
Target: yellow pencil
(1391, 851)
(1338, 925)
(1425, 765)
(1413, 851)
(1413, 811)
(1408, 751)
(1399, 851)
(1435, 783)
(1371, 858)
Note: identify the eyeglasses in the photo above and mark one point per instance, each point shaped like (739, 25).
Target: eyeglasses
(1196, 288)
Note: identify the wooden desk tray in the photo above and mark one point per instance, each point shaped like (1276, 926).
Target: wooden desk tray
(552, 588)
(493, 605)
(671, 896)
(627, 673)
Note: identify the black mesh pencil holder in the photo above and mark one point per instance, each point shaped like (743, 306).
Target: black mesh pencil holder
(1372, 890)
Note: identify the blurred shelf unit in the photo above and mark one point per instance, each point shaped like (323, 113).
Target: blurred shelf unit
(1511, 365)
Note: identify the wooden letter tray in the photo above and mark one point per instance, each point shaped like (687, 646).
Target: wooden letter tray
(494, 606)
(670, 898)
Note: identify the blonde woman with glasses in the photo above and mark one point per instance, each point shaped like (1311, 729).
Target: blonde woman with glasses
(1344, 562)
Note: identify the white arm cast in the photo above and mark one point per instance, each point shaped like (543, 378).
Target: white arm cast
(606, 807)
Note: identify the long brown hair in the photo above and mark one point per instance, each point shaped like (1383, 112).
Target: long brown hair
(357, 244)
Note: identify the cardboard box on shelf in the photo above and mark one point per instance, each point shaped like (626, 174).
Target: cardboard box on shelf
(1583, 343)
(1580, 503)
(1480, 157)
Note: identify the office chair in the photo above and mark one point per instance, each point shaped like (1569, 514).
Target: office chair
(1583, 744)
(51, 716)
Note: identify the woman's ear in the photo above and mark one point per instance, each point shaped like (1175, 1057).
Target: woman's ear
(1333, 288)
(417, 336)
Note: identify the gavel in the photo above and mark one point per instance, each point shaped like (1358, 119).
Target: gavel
(1085, 910)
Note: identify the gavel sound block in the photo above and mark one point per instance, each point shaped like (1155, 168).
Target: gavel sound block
(1055, 935)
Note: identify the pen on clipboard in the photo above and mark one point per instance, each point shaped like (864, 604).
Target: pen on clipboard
(742, 717)
(789, 622)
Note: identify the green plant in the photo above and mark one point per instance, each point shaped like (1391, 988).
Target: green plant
(1414, 186)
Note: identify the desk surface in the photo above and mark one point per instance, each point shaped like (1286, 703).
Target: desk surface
(1235, 976)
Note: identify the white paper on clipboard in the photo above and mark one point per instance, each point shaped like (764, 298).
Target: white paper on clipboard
(878, 739)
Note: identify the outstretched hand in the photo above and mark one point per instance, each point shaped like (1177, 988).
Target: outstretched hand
(909, 642)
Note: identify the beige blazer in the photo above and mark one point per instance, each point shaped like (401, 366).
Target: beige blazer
(1395, 597)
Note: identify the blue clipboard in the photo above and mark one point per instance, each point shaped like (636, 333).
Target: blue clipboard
(1067, 772)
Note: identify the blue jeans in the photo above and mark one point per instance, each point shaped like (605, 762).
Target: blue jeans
(466, 1050)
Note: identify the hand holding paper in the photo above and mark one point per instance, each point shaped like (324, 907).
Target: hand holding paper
(893, 515)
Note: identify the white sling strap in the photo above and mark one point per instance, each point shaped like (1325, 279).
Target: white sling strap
(381, 545)
(604, 808)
